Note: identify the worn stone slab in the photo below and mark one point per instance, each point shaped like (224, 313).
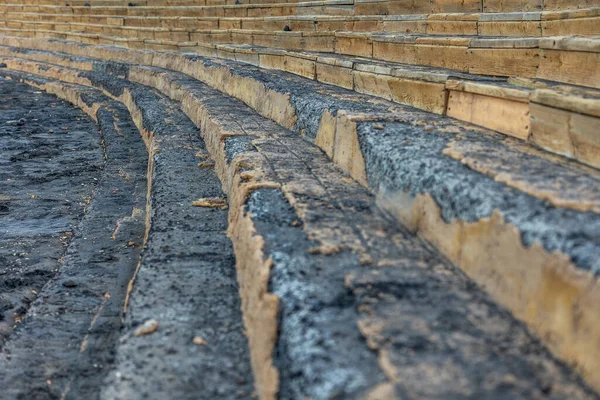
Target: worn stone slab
(76, 318)
(279, 95)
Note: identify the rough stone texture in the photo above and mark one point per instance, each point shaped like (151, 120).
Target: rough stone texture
(359, 269)
(66, 343)
(419, 315)
(328, 250)
(186, 280)
(561, 230)
(403, 157)
(187, 259)
(50, 162)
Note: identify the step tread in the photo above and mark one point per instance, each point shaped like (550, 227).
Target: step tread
(413, 154)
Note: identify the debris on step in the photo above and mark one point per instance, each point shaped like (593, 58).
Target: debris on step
(211, 202)
(146, 328)
(199, 341)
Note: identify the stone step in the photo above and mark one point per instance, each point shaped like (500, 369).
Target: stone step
(201, 346)
(548, 23)
(321, 267)
(527, 234)
(567, 59)
(151, 3)
(70, 332)
(330, 7)
(327, 7)
(522, 108)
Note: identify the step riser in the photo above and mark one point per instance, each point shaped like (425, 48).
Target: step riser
(517, 117)
(423, 215)
(347, 7)
(470, 57)
(117, 227)
(134, 27)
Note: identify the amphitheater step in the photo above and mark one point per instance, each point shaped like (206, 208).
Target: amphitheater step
(546, 114)
(169, 283)
(327, 7)
(529, 57)
(523, 194)
(546, 23)
(338, 262)
(70, 331)
(40, 208)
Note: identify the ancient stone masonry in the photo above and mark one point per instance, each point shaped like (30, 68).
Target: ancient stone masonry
(339, 199)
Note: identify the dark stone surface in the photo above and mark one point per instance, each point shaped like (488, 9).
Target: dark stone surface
(67, 341)
(50, 162)
(442, 336)
(420, 167)
(186, 281)
(406, 158)
(317, 316)
(187, 260)
(433, 321)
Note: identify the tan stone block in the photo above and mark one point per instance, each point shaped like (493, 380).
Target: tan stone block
(408, 26)
(455, 6)
(250, 58)
(300, 66)
(567, 133)
(324, 43)
(510, 28)
(506, 116)
(568, 4)
(399, 52)
(347, 153)
(401, 7)
(504, 62)
(230, 23)
(290, 42)
(297, 25)
(373, 84)
(115, 21)
(444, 56)
(428, 96)
(452, 27)
(371, 8)
(230, 12)
(356, 46)
(578, 26)
(334, 75)
(576, 67)
(332, 25)
(326, 135)
(338, 10)
(271, 61)
(367, 26)
(498, 6)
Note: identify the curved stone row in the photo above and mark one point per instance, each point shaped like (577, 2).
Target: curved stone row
(175, 307)
(517, 220)
(50, 161)
(65, 345)
(339, 300)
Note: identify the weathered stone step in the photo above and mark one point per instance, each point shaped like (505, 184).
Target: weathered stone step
(330, 7)
(525, 109)
(44, 185)
(290, 207)
(528, 209)
(546, 23)
(137, 3)
(199, 340)
(230, 8)
(186, 279)
(66, 344)
(573, 60)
